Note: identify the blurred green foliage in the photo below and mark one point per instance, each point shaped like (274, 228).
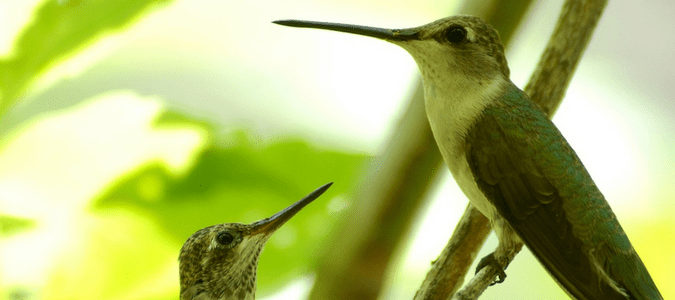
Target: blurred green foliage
(236, 181)
(11, 225)
(58, 30)
(139, 221)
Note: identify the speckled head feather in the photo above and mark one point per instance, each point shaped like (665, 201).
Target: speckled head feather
(220, 262)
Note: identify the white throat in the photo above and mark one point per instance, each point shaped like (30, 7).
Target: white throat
(454, 105)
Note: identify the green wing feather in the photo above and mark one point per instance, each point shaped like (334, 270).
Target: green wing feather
(528, 171)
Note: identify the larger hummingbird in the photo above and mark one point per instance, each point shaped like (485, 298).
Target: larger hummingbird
(512, 162)
(220, 262)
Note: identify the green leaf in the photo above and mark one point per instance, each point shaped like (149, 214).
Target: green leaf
(58, 31)
(239, 181)
(10, 225)
(172, 118)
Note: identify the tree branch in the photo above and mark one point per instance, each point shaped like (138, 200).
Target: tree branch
(388, 196)
(449, 270)
(568, 42)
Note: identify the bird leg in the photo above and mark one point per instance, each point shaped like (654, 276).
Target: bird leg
(509, 245)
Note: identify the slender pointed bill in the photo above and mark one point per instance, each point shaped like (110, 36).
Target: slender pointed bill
(380, 33)
(271, 224)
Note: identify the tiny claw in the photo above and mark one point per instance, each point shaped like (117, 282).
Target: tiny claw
(490, 260)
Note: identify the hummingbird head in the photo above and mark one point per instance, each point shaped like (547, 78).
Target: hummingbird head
(455, 48)
(221, 261)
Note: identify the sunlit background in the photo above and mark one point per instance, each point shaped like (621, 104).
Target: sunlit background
(200, 112)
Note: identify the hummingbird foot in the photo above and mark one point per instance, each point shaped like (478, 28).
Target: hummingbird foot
(509, 245)
(490, 260)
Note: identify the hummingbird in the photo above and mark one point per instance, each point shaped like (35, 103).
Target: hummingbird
(220, 262)
(512, 162)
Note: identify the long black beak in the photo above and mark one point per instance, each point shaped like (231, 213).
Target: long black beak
(271, 224)
(380, 33)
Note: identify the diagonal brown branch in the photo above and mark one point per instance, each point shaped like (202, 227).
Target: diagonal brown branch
(389, 194)
(568, 42)
(449, 270)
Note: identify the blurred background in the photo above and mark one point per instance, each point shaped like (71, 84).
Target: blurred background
(125, 126)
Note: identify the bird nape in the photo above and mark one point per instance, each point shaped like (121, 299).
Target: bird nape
(220, 262)
(512, 162)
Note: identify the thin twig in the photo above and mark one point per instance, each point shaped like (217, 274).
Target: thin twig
(568, 42)
(472, 230)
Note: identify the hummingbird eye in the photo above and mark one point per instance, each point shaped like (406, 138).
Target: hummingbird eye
(224, 238)
(455, 34)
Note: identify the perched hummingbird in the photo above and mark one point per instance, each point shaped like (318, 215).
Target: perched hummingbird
(220, 262)
(512, 162)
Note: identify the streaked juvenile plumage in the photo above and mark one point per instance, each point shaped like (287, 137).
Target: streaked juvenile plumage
(220, 262)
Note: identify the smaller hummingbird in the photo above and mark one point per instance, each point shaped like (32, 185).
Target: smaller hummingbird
(220, 262)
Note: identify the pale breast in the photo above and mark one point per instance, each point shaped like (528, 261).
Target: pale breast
(452, 110)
